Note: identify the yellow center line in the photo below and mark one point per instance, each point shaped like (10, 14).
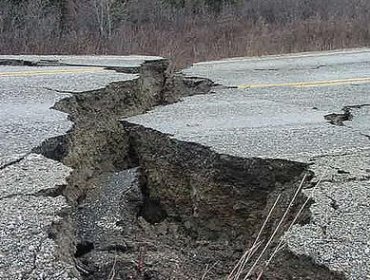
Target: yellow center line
(310, 83)
(50, 72)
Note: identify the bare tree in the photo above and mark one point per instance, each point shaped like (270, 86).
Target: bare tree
(104, 16)
(184, 30)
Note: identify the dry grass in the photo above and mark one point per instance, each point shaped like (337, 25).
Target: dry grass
(183, 34)
(240, 272)
(112, 273)
(240, 266)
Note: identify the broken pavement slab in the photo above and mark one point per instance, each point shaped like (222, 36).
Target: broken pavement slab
(247, 124)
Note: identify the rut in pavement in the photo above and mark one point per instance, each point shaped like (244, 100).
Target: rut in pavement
(350, 113)
(150, 207)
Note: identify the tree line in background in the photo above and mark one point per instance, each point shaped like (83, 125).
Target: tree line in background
(183, 30)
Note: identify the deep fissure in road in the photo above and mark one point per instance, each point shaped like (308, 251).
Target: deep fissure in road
(146, 206)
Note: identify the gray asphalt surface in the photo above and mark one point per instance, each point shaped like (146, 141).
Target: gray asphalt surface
(274, 107)
(26, 119)
(281, 121)
(285, 68)
(83, 60)
(338, 235)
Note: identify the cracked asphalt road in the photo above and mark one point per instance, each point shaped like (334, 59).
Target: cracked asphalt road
(274, 107)
(27, 212)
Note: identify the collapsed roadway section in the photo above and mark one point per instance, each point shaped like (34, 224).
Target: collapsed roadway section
(182, 191)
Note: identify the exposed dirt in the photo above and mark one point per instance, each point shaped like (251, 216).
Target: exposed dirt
(150, 207)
